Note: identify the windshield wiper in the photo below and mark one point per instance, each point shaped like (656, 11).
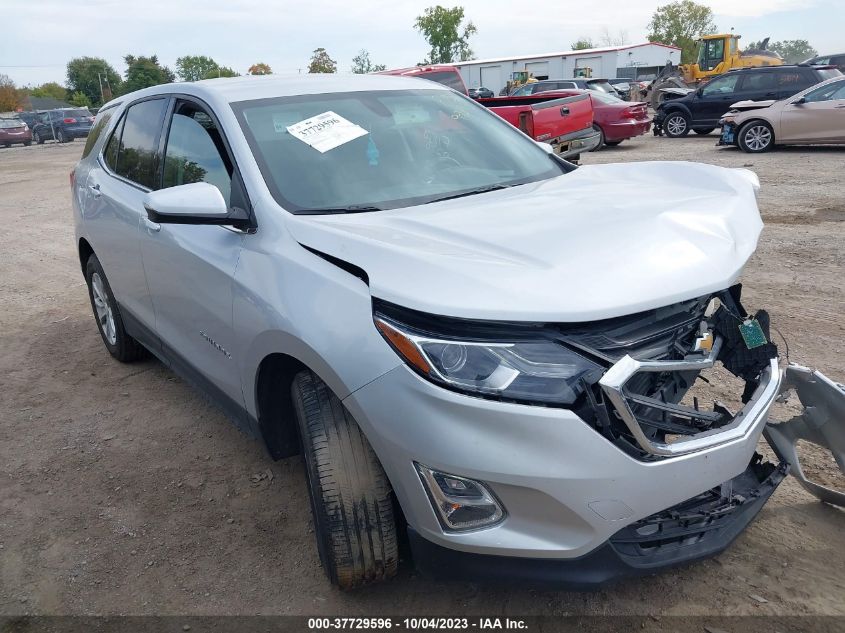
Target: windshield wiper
(352, 208)
(471, 192)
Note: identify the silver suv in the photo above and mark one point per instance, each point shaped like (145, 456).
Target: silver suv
(474, 345)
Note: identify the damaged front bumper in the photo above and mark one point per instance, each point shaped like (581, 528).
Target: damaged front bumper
(821, 422)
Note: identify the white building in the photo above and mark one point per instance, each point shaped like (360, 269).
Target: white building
(604, 63)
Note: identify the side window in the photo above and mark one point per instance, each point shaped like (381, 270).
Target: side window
(756, 82)
(100, 124)
(110, 153)
(791, 80)
(137, 153)
(725, 84)
(195, 151)
(829, 92)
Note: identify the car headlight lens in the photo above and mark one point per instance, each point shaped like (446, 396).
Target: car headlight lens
(523, 370)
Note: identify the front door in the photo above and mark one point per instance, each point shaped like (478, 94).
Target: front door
(820, 117)
(714, 99)
(190, 268)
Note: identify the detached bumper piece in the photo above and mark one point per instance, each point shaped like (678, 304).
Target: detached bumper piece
(701, 526)
(822, 422)
(698, 528)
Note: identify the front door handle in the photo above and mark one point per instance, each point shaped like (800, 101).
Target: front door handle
(840, 106)
(564, 111)
(95, 190)
(153, 227)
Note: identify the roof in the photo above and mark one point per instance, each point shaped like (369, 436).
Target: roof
(569, 53)
(249, 87)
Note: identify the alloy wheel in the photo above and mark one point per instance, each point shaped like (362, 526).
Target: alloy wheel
(758, 138)
(105, 317)
(676, 125)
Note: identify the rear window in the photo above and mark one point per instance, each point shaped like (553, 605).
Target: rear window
(601, 85)
(447, 78)
(6, 124)
(828, 73)
(100, 125)
(77, 114)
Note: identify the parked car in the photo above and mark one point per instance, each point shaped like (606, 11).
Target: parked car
(837, 60)
(481, 93)
(462, 333)
(62, 125)
(14, 131)
(614, 119)
(701, 109)
(623, 86)
(601, 85)
(30, 118)
(812, 117)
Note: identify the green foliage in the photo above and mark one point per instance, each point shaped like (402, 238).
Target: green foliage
(321, 62)
(680, 23)
(442, 29)
(50, 90)
(143, 72)
(80, 99)
(82, 76)
(582, 43)
(11, 98)
(794, 51)
(220, 71)
(194, 67)
(362, 65)
(260, 69)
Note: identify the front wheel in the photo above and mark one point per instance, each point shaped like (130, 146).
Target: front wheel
(703, 131)
(351, 498)
(756, 137)
(676, 124)
(36, 136)
(62, 138)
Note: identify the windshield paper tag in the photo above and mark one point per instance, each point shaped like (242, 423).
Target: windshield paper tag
(326, 131)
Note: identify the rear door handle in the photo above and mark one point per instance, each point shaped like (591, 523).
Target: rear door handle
(95, 190)
(153, 227)
(564, 111)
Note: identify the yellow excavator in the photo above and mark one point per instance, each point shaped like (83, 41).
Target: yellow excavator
(716, 54)
(518, 78)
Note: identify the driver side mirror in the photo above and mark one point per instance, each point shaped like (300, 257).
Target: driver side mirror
(194, 203)
(800, 101)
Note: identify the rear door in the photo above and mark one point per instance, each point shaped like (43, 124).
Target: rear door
(819, 119)
(190, 268)
(714, 99)
(758, 86)
(116, 186)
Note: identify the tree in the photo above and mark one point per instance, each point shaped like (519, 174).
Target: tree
(680, 23)
(582, 43)
(50, 90)
(143, 72)
(794, 51)
(442, 29)
(11, 98)
(361, 64)
(221, 71)
(85, 74)
(260, 69)
(194, 67)
(321, 62)
(80, 99)
(619, 38)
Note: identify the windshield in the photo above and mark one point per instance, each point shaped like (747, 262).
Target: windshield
(601, 85)
(384, 149)
(10, 123)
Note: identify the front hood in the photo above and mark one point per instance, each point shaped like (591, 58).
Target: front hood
(752, 105)
(602, 241)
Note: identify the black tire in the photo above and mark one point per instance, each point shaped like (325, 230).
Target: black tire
(703, 131)
(61, 138)
(27, 143)
(7, 145)
(756, 137)
(612, 143)
(351, 498)
(676, 124)
(37, 138)
(601, 141)
(124, 348)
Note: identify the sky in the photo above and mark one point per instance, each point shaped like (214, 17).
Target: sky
(40, 36)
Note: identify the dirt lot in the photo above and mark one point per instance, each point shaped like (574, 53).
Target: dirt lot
(123, 491)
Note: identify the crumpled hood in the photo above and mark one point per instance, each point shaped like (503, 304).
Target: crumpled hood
(602, 241)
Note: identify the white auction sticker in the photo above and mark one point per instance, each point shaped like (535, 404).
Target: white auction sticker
(326, 131)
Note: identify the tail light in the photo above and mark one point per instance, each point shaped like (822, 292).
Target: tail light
(70, 120)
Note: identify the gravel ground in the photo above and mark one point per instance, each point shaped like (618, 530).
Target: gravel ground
(123, 492)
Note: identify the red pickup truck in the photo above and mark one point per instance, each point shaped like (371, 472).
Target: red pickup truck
(566, 123)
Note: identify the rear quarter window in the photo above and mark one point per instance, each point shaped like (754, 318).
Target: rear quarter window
(100, 125)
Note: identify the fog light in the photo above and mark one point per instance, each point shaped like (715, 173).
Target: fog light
(461, 503)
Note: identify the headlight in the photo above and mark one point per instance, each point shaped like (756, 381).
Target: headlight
(538, 370)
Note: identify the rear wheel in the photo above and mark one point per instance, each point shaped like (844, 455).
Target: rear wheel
(350, 495)
(756, 137)
(120, 345)
(36, 136)
(62, 137)
(676, 124)
(27, 143)
(612, 143)
(703, 130)
(601, 140)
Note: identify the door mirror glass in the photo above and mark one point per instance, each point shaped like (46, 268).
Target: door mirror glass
(194, 203)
